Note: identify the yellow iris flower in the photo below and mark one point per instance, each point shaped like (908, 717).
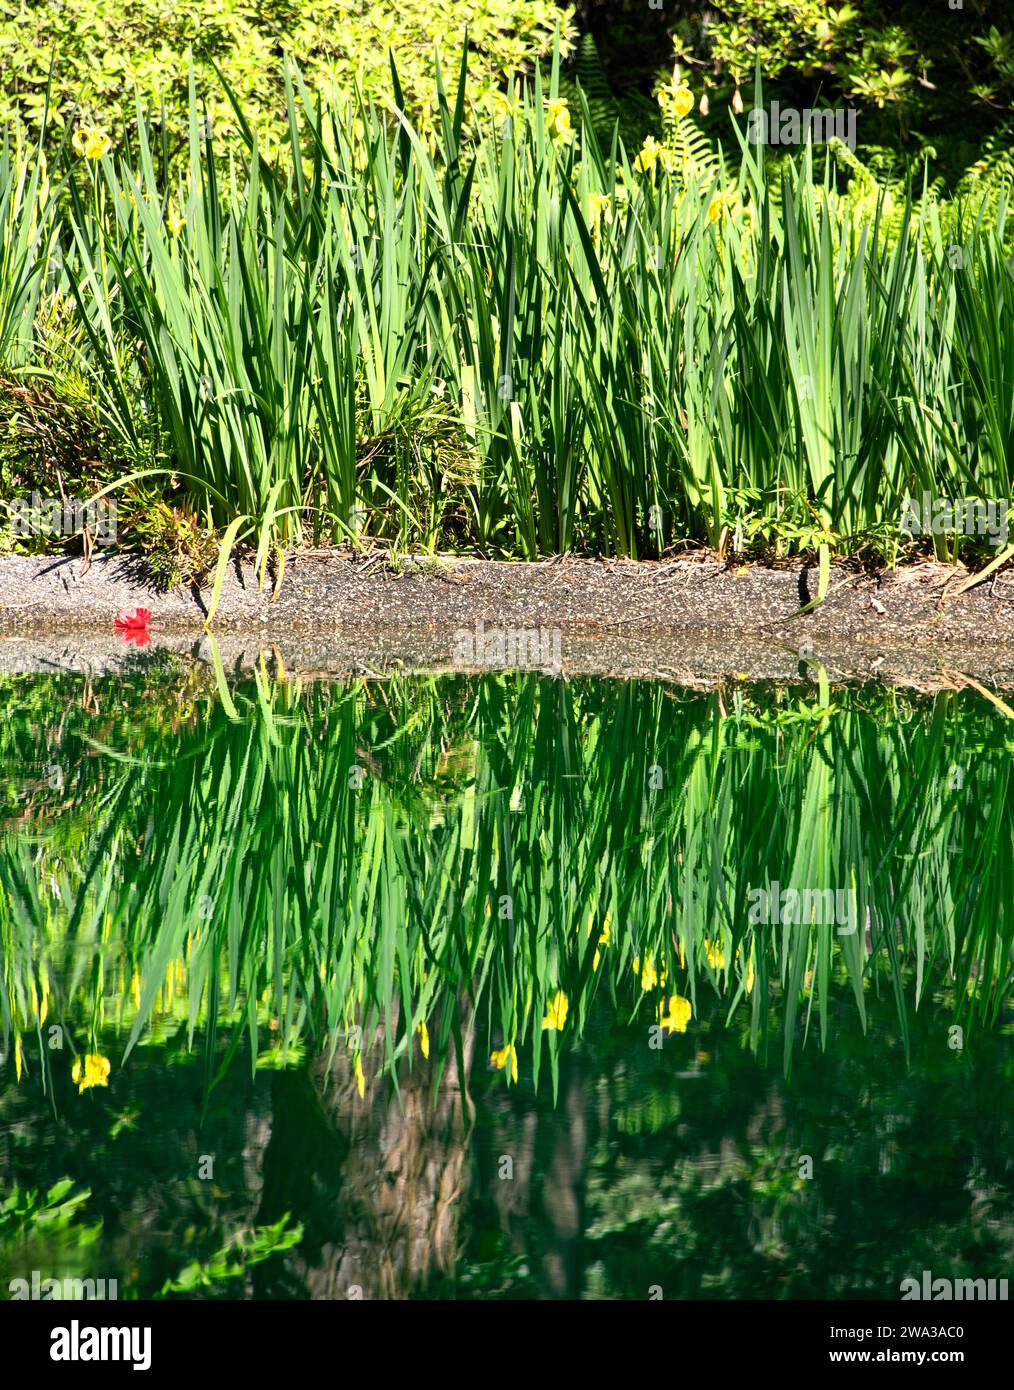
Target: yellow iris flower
(91, 141)
(651, 153)
(676, 99)
(505, 106)
(718, 206)
(599, 207)
(558, 120)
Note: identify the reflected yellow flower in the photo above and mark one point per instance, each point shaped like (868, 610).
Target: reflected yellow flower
(602, 941)
(678, 1015)
(360, 1078)
(715, 954)
(90, 141)
(650, 977)
(558, 1008)
(94, 1072)
(503, 1055)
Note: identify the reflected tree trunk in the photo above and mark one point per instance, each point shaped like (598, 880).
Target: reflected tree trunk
(542, 1208)
(562, 1193)
(377, 1182)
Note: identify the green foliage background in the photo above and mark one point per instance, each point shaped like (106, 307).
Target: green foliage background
(925, 79)
(921, 76)
(99, 51)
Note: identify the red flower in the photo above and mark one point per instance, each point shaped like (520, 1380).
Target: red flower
(134, 626)
(130, 622)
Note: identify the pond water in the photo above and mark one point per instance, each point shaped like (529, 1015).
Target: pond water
(502, 986)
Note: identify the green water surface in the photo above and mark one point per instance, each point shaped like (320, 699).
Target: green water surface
(462, 986)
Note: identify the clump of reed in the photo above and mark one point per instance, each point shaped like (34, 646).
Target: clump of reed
(504, 336)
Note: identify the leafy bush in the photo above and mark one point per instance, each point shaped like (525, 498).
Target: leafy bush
(917, 73)
(99, 51)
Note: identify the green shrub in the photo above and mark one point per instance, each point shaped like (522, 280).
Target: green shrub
(920, 76)
(99, 51)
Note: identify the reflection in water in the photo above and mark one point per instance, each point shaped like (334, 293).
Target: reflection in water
(498, 987)
(380, 1192)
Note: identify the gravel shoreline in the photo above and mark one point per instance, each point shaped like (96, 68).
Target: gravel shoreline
(687, 620)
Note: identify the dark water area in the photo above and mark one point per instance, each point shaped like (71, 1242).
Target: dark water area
(501, 986)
